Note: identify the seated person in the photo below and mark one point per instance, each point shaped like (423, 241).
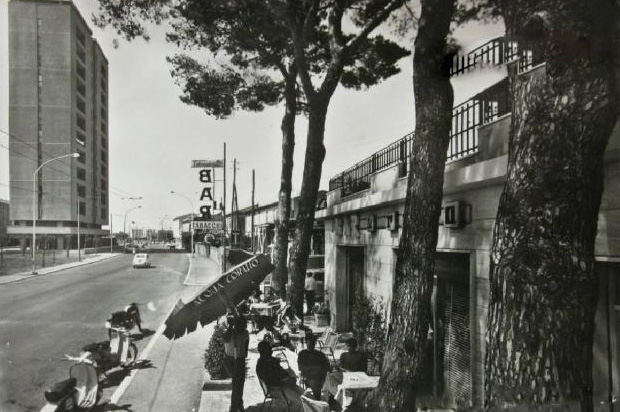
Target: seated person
(269, 370)
(255, 297)
(313, 364)
(353, 360)
(286, 317)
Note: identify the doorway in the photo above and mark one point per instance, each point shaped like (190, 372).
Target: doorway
(349, 284)
(606, 347)
(448, 366)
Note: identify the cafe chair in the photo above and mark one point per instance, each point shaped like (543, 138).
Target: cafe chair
(271, 393)
(311, 405)
(321, 339)
(330, 345)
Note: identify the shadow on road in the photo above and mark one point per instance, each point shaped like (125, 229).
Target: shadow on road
(116, 376)
(105, 407)
(141, 335)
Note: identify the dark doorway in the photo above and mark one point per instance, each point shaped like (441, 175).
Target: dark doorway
(448, 366)
(355, 270)
(606, 345)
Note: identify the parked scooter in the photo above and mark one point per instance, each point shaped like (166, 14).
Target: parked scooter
(118, 351)
(80, 392)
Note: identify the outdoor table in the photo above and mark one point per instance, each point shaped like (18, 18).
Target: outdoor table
(353, 382)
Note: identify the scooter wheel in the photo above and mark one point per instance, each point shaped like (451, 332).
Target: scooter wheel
(132, 356)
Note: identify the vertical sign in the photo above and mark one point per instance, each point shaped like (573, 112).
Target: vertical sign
(206, 175)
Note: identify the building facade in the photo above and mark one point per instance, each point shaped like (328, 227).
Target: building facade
(363, 221)
(58, 104)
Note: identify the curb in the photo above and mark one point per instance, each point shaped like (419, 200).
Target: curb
(26, 275)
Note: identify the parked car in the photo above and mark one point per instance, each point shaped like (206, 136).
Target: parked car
(141, 260)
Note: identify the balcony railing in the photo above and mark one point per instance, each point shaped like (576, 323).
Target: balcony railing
(466, 117)
(497, 52)
(357, 177)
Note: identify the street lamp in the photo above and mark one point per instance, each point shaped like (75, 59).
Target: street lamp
(34, 208)
(191, 228)
(125, 225)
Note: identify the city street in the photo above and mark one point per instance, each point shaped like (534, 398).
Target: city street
(44, 318)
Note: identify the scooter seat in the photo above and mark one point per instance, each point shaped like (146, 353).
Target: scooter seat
(59, 390)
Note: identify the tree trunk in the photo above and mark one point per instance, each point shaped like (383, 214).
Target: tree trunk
(313, 163)
(284, 196)
(543, 289)
(410, 311)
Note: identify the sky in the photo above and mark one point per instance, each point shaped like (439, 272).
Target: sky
(153, 136)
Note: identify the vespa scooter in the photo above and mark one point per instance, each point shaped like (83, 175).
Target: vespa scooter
(80, 392)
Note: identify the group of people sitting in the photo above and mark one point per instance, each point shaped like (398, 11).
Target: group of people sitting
(314, 366)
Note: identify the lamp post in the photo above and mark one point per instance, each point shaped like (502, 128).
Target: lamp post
(125, 224)
(34, 207)
(191, 228)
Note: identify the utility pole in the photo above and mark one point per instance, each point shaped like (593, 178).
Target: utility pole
(224, 213)
(252, 232)
(110, 232)
(78, 232)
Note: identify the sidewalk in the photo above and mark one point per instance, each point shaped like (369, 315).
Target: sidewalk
(88, 259)
(216, 394)
(172, 381)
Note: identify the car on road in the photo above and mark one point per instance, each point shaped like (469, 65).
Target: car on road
(141, 260)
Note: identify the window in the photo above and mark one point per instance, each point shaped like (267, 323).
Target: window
(81, 122)
(104, 170)
(81, 191)
(81, 105)
(81, 37)
(104, 144)
(81, 173)
(81, 70)
(80, 138)
(82, 208)
(81, 87)
(104, 184)
(104, 127)
(104, 199)
(82, 158)
(104, 214)
(104, 156)
(81, 54)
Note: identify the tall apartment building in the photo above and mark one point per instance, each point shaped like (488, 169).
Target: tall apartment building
(58, 104)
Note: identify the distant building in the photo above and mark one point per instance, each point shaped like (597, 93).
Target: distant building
(58, 104)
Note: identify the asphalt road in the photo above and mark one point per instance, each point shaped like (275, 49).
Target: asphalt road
(43, 318)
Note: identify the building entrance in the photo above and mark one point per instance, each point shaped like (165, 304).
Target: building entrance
(606, 348)
(449, 366)
(349, 285)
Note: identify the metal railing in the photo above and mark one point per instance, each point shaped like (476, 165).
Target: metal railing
(466, 118)
(496, 52)
(357, 177)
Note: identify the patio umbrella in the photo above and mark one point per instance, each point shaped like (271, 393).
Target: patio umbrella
(213, 301)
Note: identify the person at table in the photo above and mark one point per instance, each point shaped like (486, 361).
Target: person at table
(255, 297)
(287, 317)
(269, 370)
(313, 365)
(309, 286)
(353, 360)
